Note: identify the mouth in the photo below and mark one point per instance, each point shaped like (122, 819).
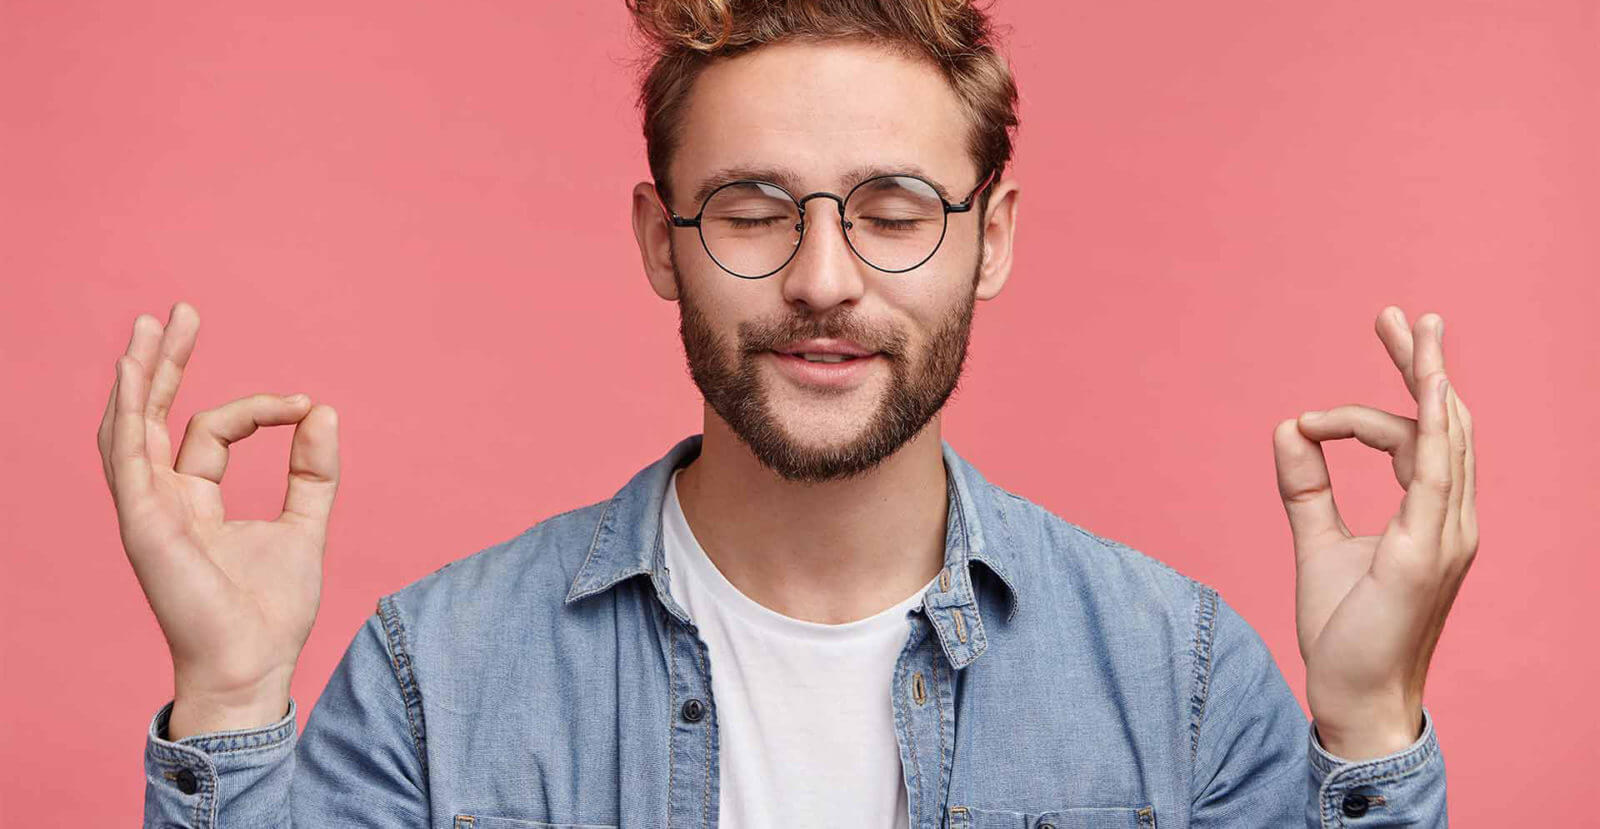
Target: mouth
(826, 370)
(823, 356)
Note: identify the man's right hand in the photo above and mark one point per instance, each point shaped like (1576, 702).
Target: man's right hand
(235, 599)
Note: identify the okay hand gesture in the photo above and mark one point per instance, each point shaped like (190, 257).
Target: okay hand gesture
(235, 599)
(1370, 608)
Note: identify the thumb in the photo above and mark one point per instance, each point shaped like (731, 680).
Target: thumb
(313, 468)
(1305, 486)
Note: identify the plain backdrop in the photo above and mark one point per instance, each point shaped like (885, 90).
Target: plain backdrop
(418, 213)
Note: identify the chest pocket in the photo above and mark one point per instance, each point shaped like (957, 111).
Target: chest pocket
(490, 822)
(1090, 817)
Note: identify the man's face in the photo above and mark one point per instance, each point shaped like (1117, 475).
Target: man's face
(821, 112)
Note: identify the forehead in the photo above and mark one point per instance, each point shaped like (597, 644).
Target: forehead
(823, 110)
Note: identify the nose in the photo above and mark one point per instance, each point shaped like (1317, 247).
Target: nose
(824, 272)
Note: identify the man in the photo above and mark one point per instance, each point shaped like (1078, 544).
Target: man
(815, 612)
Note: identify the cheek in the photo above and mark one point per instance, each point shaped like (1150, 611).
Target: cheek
(717, 303)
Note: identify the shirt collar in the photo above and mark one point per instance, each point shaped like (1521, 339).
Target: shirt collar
(627, 543)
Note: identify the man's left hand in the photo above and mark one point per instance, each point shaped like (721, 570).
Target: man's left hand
(1369, 609)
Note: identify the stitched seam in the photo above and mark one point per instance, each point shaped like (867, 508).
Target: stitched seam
(672, 708)
(939, 703)
(1205, 611)
(400, 664)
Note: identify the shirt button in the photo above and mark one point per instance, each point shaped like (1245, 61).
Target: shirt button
(1355, 805)
(694, 710)
(186, 782)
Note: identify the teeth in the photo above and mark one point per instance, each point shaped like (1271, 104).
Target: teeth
(826, 358)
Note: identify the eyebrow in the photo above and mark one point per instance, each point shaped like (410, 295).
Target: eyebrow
(789, 180)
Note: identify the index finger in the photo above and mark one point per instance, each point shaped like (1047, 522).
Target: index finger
(1395, 333)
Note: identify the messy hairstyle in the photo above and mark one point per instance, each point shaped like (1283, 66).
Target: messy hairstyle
(682, 37)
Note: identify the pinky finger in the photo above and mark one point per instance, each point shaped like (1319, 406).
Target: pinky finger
(129, 463)
(1469, 491)
(103, 435)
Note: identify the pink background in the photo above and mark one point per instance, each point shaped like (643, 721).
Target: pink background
(420, 217)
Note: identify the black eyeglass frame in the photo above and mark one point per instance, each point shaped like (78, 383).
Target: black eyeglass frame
(845, 224)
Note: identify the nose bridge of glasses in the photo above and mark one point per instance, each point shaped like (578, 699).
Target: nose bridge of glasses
(837, 199)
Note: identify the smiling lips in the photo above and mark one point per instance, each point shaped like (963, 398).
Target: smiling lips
(825, 369)
(823, 350)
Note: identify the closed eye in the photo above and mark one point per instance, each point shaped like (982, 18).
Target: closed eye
(893, 224)
(743, 223)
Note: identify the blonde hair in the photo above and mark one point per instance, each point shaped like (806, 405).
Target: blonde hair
(682, 37)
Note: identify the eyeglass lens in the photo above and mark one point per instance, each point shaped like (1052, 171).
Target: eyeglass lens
(893, 222)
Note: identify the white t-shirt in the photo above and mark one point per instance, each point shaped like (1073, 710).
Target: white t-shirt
(805, 721)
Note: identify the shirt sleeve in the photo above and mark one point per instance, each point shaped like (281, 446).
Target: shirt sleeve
(360, 762)
(1405, 788)
(1257, 760)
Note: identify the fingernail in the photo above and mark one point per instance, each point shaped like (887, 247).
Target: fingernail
(1311, 415)
(297, 399)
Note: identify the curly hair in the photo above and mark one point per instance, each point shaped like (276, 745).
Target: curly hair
(682, 37)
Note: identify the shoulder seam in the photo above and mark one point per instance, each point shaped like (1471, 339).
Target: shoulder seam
(1205, 617)
(400, 664)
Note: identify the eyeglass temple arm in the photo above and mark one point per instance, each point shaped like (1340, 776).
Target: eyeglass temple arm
(966, 204)
(675, 219)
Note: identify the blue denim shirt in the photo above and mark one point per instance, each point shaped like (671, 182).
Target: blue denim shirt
(1052, 678)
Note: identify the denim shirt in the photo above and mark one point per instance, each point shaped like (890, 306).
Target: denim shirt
(1051, 679)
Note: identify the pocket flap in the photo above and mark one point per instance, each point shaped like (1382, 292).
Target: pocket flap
(1081, 817)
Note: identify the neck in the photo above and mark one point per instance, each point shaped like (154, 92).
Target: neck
(828, 553)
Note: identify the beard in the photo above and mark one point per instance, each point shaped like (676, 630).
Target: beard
(729, 377)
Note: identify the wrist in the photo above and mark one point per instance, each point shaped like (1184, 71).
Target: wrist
(1369, 739)
(202, 716)
(198, 709)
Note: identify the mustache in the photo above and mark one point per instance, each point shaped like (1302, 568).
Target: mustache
(756, 338)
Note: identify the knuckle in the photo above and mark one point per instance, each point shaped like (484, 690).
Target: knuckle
(1430, 481)
(200, 422)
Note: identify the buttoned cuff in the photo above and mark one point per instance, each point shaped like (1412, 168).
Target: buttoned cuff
(188, 781)
(1406, 787)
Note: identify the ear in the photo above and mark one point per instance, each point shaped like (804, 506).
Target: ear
(999, 226)
(654, 232)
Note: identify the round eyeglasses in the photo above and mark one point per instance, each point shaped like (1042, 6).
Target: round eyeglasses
(753, 228)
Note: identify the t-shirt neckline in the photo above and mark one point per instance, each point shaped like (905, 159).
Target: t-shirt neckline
(733, 599)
